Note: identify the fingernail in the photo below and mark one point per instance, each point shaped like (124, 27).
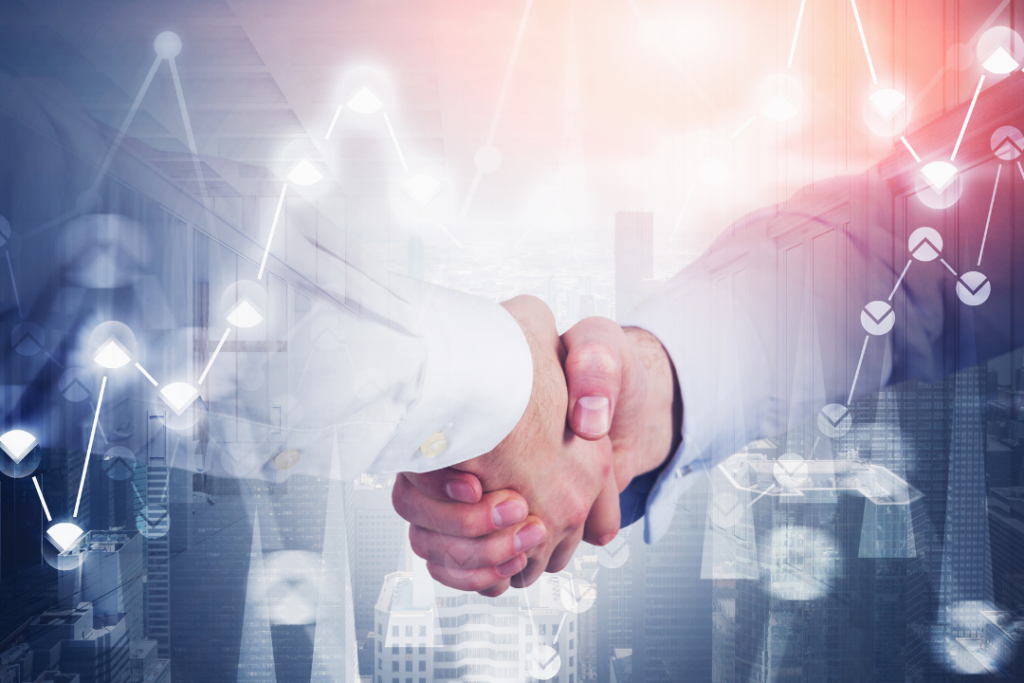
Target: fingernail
(508, 513)
(528, 537)
(607, 538)
(513, 566)
(460, 491)
(591, 415)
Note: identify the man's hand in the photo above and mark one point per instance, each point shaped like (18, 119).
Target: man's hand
(621, 386)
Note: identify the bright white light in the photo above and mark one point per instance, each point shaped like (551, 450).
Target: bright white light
(1000, 62)
(714, 172)
(244, 314)
(179, 396)
(939, 175)
(112, 354)
(887, 102)
(17, 444)
(64, 535)
(779, 109)
(364, 102)
(422, 188)
(305, 173)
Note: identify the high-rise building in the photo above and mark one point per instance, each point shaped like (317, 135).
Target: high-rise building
(93, 646)
(1006, 525)
(110, 577)
(378, 545)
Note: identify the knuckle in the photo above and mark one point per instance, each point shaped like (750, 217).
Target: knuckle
(593, 361)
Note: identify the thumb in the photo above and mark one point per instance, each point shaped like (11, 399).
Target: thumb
(593, 374)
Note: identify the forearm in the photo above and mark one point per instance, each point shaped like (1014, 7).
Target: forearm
(661, 418)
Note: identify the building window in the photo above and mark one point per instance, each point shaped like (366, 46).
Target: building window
(554, 629)
(380, 663)
(572, 644)
(571, 677)
(423, 631)
(394, 649)
(395, 680)
(380, 630)
(380, 680)
(572, 626)
(529, 630)
(423, 680)
(394, 666)
(571, 658)
(408, 665)
(408, 680)
(423, 665)
(380, 646)
(408, 634)
(423, 649)
(408, 649)
(543, 629)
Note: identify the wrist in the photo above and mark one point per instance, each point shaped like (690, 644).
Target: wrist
(662, 413)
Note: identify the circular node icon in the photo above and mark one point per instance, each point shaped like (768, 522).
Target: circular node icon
(119, 463)
(576, 595)
(544, 662)
(244, 303)
(940, 196)
(28, 339)
(292, 585)
(20, 457)
(167, 45)
(886, 112)
(461, 569)
(112, 345)
(370, 385)
(62, 546)
(778, 97)
(973, 288)
(1007, 143)
(726, 509)
(613, 555)
(75, 384)
(153, 521)
(487, 159)
(1000, 50)
(790, 470)
(834, 420)
(238, 459)
(878, 318)
(5, 231)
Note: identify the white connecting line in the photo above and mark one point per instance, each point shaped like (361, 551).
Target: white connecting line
(330, 129)
(902, 275)
(501, 104)
(988, 220)
(948, 267)
(864, 42)
(796, 34)
(743, 127)
(92, 439)
(910, 149)
(967, 118)
(14, 284)
(188, 127)
(856, 373)
(394, 139)
(682, 213)
(209, 365)
(273, 228)
(42, 500)
(147, 375)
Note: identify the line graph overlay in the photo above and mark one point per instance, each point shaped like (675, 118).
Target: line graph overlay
(856, 374)
(988, 220)
(92, 439)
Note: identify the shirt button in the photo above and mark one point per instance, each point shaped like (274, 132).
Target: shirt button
(679, 473)
(285, 460)
(434, 446)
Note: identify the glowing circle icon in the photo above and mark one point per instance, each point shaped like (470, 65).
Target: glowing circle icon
(543, 663)
(305, 173)
(179, 396)
(167, 45)
(613, 555)
(887, 102)
(1000, 50)
(576, 595)
(75, 384)
(364, 102)
(726, 510)
(17, 444)
(834, 420)
(939, 175)
(925, 244)
(112, 354)
(878, 318)
(64, 535)
(119, 463)
(245, 314)
(1007, 143)
(790, 470)
(422, 188)
(28, 339)
(779, 109)
(153, 521)
(973, 288)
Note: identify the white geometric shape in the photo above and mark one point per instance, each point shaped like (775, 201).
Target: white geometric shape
(834, 420)
(167, 45)
(305, 173)
(1007, 143)
(179, 396)
(939, 175)
(543, 663)
(790, 470)
(614, 554)
(245, 314)
(17, 444)
(112, 354)
(64, 535)
(925, 244)
(887, 102)
(973, 288)
(364, 102)
(1000, 62)
(779, 109)
(878, 318)
(422, 188)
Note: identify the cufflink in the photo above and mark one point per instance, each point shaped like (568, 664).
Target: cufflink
(435, 445)
(285, 460)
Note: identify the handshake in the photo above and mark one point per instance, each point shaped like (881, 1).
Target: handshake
(605, 408)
